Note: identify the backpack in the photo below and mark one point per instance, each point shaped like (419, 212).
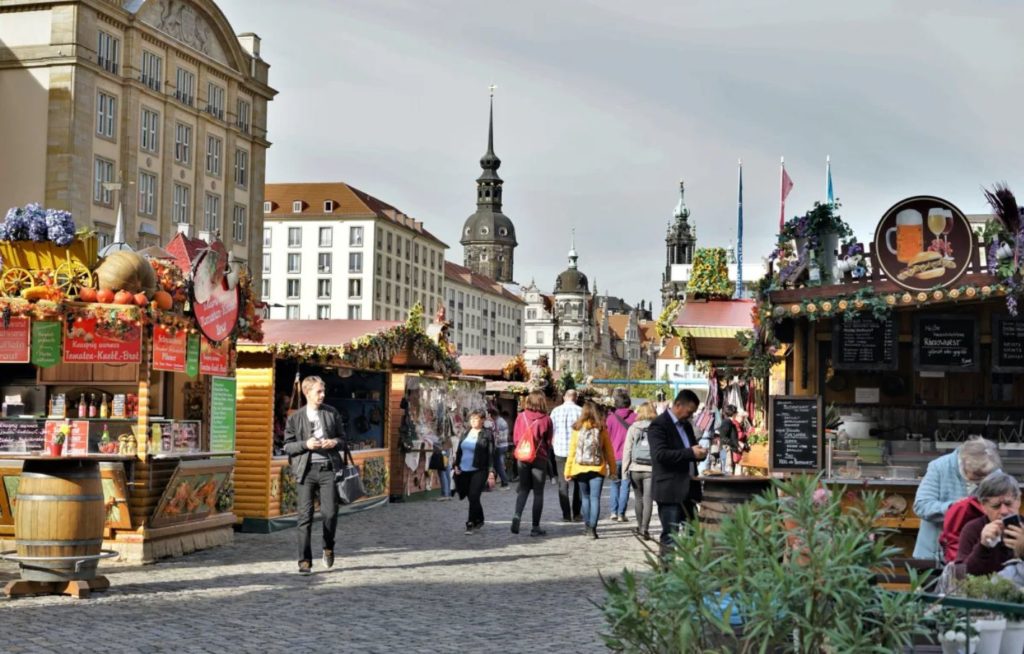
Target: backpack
(526, 451)
(641, 452)
(588, 447)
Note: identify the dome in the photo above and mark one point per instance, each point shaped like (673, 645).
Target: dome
(488, 225)
(571, 281)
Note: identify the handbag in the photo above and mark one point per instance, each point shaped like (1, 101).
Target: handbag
(348, 481)
(436, 460)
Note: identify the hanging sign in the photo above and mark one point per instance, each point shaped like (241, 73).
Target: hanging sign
(213, 358)
(923, 243)
(46, 343)
(222, 414)
(169, 349)
(14, 341)
(192, 356)
(90, 341)
(215, 294)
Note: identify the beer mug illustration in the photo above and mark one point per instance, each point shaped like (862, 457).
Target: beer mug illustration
(909, 231)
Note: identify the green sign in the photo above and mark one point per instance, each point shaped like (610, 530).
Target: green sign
(222, 414)
(192, 356)
(46, 343)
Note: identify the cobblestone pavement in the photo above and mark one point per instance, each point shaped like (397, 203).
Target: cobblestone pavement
(406, 579)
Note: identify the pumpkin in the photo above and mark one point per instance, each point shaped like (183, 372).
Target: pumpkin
(128, 271)
(87, 294)
(123, 297)
(163, 300)
(141, 299)
(105, 295)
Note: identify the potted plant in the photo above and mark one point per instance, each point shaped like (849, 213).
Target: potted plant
(1001, 589)
(989, 624)
(818, 230)
(954, 632)
(56, 445)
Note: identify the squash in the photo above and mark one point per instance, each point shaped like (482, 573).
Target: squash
(141, 299)
(123, 297)
(33, 293)
(163, 300)
(87, 294)
(128, 271)
(104, 296)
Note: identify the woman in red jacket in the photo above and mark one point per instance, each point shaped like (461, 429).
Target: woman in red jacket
(535, 425)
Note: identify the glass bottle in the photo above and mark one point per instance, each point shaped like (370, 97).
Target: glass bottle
(93, 406)
(83, 407)
(104, 411)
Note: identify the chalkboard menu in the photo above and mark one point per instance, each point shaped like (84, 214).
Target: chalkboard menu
(21, 435)
(946, 342)
(864, 343)
(1007, 343)
(794, 425)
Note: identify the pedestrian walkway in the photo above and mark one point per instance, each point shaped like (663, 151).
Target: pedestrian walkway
(406, 579)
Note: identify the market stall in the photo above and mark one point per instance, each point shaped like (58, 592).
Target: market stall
(365, 365)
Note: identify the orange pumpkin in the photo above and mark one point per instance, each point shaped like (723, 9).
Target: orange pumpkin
(87, 294)
(163, 300)
(123, 297)
(141, 299)
(105, 296)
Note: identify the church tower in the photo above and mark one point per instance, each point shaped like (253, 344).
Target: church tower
(489, 237)
(679, 245)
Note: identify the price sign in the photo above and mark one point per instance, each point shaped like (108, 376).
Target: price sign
(1007, 344)
(864, 343)
(213, 359)
(794, 425)
(14, 341)
(192, 356)
(222, 414)
(169, 349)
(46, 343)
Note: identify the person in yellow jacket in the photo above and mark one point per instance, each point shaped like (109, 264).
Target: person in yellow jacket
(591, 459)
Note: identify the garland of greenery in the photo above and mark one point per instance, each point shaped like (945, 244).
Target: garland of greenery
(515, 369)
(664, 326)
(709, 277)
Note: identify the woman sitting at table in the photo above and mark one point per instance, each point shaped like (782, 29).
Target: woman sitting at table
(988, 542)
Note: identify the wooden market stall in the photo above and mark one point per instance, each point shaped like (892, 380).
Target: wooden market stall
(366, 366)
(145, 388)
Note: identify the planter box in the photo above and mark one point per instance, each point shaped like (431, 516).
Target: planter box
(757, 457)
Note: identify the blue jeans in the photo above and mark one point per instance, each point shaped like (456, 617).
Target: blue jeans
(619, 491)
(672, 517)
(499, 464)
(590, 485)
(446, 478)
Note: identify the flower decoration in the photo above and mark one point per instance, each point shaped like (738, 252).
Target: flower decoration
(710, 274)
(34, 223)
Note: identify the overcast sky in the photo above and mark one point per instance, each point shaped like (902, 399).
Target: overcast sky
(602, 106)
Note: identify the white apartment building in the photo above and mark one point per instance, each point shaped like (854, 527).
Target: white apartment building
(486, 317)
(331, 251)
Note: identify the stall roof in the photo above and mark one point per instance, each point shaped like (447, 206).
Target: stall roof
(484, 365)
(713, 326)
(321, 332)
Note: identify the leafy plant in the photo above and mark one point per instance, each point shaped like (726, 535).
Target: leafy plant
(710, 274)
(801, 572)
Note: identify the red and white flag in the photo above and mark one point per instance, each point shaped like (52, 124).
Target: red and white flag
(787, 186)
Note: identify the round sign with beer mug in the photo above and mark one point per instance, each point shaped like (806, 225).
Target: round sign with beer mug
(923, 243)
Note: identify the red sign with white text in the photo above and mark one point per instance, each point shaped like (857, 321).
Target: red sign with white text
(215, 300)
(14, 341)
(77, 441)
(169, 350)
(89, 341)
(213, 359)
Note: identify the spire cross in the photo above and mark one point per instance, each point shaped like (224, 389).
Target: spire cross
(492, 88)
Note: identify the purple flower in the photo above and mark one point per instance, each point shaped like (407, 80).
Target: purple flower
(60, 228)
(1011, 304)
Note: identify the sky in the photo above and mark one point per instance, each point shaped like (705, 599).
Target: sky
(603, 106)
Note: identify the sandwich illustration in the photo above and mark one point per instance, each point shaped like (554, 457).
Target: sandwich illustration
(926, 265)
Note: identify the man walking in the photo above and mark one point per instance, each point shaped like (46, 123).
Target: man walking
(563, 417)
(674, 454)
(314, 438)
(500, 427)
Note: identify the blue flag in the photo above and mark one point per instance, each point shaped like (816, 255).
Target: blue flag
(738, 294)
(829, 196)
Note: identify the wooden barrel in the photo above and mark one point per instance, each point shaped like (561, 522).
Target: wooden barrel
(59, 513)
(723, 494)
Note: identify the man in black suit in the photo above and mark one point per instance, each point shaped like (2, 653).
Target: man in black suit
(674, 457)
(314, 438)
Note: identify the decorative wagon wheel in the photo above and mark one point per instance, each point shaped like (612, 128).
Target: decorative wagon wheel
(71, 276)
(15, 279)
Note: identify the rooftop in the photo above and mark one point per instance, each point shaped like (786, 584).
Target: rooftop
(333, 333)
(455, 272)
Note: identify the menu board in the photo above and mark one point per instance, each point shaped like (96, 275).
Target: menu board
(21, 435)
(1007, 343)
(794, 426)
(946, 343)
(864, 343)
(222, 414)
(14, 340)
(169, 349)
(46, 343)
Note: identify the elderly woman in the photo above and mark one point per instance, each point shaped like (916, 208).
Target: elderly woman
(987, 542)
(949, 478)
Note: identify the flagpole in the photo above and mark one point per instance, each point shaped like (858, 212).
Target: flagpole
(739, 237)
(828, 179)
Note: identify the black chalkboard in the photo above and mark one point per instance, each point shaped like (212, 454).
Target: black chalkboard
(1007, 343)
(946, 343)
(794, 430)
(21, 435)
(864, 343)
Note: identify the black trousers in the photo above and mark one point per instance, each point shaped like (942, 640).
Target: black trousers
(319, 480)
(563, 491)
(477, 483)
(531, 478)
(672, 517)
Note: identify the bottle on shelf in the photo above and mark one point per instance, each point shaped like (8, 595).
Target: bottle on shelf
(83, 407)
(94, 407)
(104, 410)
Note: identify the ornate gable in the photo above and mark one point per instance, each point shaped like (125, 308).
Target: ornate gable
(196, 25)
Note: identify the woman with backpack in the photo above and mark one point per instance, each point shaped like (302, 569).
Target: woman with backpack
(618, 423)
(473, 458)
(636, 467)
(591, 459)
(532, 438)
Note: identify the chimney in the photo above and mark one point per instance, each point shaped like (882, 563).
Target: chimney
(250, 43)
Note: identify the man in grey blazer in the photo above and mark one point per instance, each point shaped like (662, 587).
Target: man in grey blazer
(314, 438)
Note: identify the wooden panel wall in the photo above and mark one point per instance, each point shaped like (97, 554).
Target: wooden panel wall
(151, 478)
(396, 462)
(254, 438)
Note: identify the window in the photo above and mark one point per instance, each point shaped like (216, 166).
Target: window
(432, 258)
(211, 213)
(297, 206)
(355, 236)
(268, 206)
(355, 312)
(323, 262)
(355, 288)
(149, 130)
(540, 338)
(389, 242)
(151, 70)
(104, 173)
(238, 224)
(294, 237)
(266, 263)
(294, 262)
(387, 266)
(242, 121)
(214, 147)
(183, 143)
(294, 286)
(108, 52)
(147, 193)
(265, 288)
(355, 262)
(328, 206)
(266, 237)
(292, 312)
(323, 289)
(104, 236)
(106, 110)
(531, 314)
(326, 237)
(416, 253)
(185, 90)
(215, 100)
(323, 312)
(387, 293)
(180, 205)
(242, 169)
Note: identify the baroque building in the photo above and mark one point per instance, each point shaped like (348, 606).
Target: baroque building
(680, 242)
